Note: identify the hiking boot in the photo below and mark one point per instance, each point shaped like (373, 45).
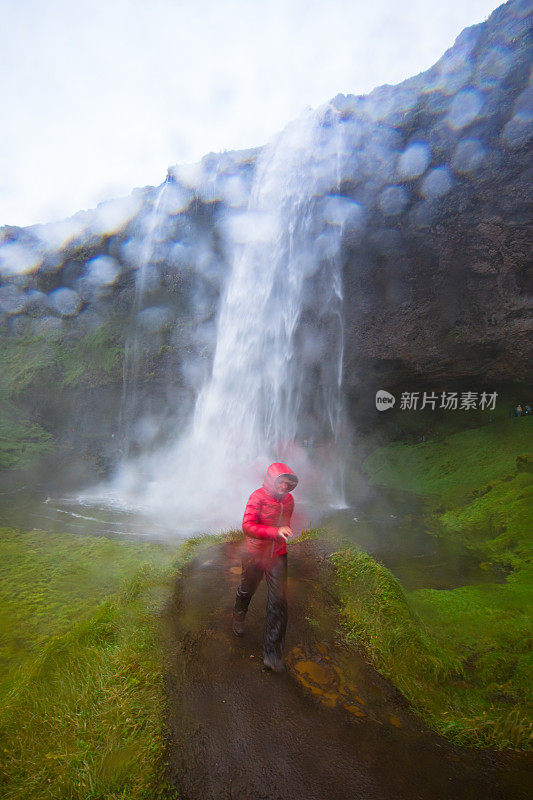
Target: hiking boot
(238, 622)
(274, 663)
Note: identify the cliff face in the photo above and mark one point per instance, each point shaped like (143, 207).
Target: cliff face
(437, 269)
(440, 293)
(450, 306)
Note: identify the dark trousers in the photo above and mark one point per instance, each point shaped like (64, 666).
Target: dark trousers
(275, 572)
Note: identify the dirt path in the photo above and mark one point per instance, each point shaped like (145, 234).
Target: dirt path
(330, 727)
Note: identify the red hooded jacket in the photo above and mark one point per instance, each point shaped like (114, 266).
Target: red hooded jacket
(265, 512)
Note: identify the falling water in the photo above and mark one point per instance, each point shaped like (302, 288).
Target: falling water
(275, 388)
(130, 373)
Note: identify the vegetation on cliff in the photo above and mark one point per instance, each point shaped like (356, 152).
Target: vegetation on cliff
(35, 370)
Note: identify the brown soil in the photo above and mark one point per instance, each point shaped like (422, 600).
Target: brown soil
(329, 727)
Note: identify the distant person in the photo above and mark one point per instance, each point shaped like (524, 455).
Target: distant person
(528, 408)
(519, 410)
(266, 523)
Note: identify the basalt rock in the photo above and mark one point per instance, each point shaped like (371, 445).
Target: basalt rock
(440, 294)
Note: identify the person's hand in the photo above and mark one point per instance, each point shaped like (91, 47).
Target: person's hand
(284, 533)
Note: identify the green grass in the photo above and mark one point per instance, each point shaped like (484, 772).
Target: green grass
(93, 359)
(378, 616)
(82, 696)
(23, 361)
(493, 705)
(50, 580)
(461, 462)
(477, 486)
(494, 520)
(463, 656)
(21, 440)
(38, 367)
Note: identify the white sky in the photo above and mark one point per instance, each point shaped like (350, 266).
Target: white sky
(100, 96)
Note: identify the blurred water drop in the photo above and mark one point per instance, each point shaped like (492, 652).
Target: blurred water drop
(338, 210)
(57, 235)
(493, 67)
(12, 300)
(180, 255)
(90, 320)
(154, 318)
(36, 301)
(51, 327)
(464, 109)
(422, 214)
(234, 191)
(102, 270)
(468, 155)
(251, 227)
(112, 216)
(177, 199)
(414, 161)
(16, 259)
(393, 200)
(519, 130)
(65, 301)
(436, 183)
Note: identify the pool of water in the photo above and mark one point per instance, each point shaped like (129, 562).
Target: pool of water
(31, 508)
(391, 527)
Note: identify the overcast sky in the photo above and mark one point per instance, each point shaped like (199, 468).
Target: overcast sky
(101, 96)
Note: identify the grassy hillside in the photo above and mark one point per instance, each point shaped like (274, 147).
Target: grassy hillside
(49, 581)
(463, 656)
(81, 692)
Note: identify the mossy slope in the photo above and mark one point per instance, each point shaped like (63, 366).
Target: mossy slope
(461, 656)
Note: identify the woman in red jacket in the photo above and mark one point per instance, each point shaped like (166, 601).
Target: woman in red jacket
(266, 523)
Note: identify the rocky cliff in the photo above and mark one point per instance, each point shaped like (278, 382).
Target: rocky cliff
(438, 283)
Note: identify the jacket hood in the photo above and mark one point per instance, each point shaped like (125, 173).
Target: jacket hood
(275, 471)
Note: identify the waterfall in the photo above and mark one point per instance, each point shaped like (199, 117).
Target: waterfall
(275, 388)
(130, 372)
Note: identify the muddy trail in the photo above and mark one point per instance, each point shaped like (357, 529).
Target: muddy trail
(329, 727)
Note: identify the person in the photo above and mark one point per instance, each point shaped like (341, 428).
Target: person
(266, 524)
